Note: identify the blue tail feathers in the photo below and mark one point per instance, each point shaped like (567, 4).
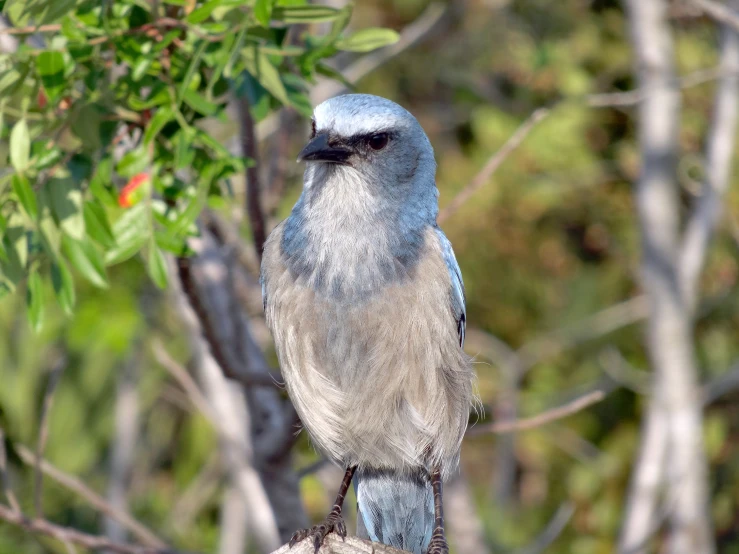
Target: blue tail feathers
(395, 508)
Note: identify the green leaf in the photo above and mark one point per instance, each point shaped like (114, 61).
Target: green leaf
(263, 12)
(134, 162)
(203, 12)
(156, 265)
(339, 24)
(66, 203)
(86, 126)
(258, 65)
(9, 78)
(25, 194)
(101, 184)
(304, 14)
(51, 236)
(162, 116)
(20, 145)
(365, 40)
(140, 69)
(171, 243)
(50, 67)
(15, 243)
(199, 103)
(86, 259)
(61, 279)
(191, 71)
(35, 300)
(131, 231)
(96, 222)
(184, 152)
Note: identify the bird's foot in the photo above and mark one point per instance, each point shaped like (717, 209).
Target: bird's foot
(334, 523)
(438, 545)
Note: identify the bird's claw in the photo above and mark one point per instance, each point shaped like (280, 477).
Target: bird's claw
(334, 523)
(438, 545)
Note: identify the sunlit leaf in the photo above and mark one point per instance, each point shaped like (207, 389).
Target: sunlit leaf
(96, 222)
(263, 11)
(131, 231)
(35, 300)
(258, 65)
(365, 40)
(25, 194)
(20, 145)
(66, 203)
(304, 14)
(156, 265)
(83, 255)
(162, 116)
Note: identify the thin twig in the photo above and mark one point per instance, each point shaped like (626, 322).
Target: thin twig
(415, 32)
(77, 486)
(600, 100)
(633, 97)
(553, 529)
(725, 383)
(184, 379)
(543, 418)
(67, 534)
(312, 468)
(51, 386)
(7, 489)
(592, 327)
(197, 494)
(31, 29)
(719, 12)
(493, 163)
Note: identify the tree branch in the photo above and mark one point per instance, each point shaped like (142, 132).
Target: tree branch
(560, 412)
(76, 485)
(5, 478)
(249, 149)
(719, 156)
(333, 544)
(66, 534)
(493, 163)
(720, 12)
(675, 411)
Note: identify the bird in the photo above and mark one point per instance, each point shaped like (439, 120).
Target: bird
(366, 304)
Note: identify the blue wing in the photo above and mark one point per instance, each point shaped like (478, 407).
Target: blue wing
(457, 292)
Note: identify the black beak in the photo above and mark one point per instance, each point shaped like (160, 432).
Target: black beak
(319, 150)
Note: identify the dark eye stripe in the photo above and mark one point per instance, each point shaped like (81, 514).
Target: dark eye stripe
(364, 138)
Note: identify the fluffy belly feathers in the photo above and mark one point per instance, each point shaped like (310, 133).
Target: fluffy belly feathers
(378, 382)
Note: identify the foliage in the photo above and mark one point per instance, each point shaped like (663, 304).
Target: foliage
(117, 92)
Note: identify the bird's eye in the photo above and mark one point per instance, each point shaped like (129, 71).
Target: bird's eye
(312, 128)
(378, 141)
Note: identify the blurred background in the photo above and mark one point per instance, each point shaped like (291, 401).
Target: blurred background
(127, 397)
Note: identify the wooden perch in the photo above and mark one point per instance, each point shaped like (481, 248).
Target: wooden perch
(334, 545)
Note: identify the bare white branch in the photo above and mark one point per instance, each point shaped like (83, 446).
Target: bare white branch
(719, 154)
(675, 408)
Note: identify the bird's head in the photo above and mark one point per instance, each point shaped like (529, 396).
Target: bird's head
(370, 138)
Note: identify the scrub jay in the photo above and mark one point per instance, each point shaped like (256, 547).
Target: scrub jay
(367, 308)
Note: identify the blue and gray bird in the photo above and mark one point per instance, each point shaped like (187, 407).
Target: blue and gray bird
(367, 308)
